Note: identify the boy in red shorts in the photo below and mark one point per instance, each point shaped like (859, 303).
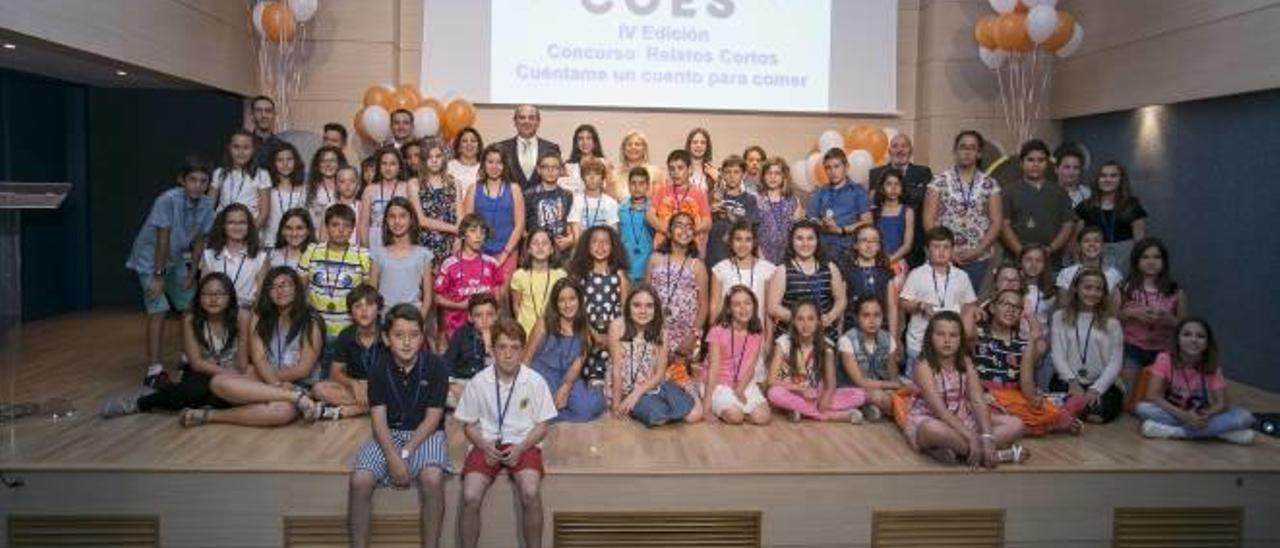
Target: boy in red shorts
(505, 409)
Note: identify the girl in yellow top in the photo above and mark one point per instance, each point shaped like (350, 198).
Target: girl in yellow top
(531, 283)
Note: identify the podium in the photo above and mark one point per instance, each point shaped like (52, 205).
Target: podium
(14, 198)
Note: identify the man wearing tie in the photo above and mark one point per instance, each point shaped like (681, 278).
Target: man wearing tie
(915, 181)
(523, 151)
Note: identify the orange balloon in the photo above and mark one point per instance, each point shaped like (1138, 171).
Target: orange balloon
(819, 174)
(876, 141)
(853, 135)
(985, 31)
(459, 114)
(277, 22)
(358, 125)
(1062, 34)
(1011, 32)
(378, 95)
(402, 100)
(412, 91)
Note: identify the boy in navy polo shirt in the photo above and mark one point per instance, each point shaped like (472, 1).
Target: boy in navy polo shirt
(841, 207)
(470, 349)
(407, 388)
(346, 393)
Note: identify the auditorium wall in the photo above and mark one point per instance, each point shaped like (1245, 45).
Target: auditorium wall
(1203, 171)
(941, 85)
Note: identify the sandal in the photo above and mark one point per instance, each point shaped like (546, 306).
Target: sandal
(193, 417)
(1015, 454)
(306, 406)
(327, 412)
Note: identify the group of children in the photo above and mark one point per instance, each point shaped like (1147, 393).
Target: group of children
(680, 303)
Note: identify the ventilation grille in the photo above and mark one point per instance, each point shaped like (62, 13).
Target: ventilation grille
(958, 528)
(85, 531)
(1178, 527)
(331, 532)
(665, 529)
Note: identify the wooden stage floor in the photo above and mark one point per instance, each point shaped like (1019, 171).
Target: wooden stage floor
(88, 357)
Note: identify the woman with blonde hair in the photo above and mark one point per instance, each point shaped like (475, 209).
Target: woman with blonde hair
(634, 152)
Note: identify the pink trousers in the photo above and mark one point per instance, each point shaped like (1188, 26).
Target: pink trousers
(843, 400)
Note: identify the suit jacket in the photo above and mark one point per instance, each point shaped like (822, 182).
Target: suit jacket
(511, 156)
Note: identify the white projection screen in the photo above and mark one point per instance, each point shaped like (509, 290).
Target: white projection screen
(821, 56)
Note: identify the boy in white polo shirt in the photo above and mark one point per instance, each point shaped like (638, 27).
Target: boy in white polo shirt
(505, 410)
(932, 287)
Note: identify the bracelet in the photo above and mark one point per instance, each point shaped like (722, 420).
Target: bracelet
(988, 436)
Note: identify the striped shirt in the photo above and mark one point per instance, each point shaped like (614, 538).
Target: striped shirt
(331, 274)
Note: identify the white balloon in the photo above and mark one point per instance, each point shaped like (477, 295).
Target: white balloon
(800, 175)
(1033, 3)
(1077, 36)
(425, 122)
(830, 139)
(860, 164)
(992, 58)
(1003, 6)
(257, 17)
(1041, 23)
(377, 122)
(303, 9)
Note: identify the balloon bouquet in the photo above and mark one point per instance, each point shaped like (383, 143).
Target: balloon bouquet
(1018, 43)
(430, 116)
(280, 27)
(865, 146)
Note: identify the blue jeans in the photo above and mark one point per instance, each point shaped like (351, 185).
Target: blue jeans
(977, 272)
(1229, 420)
(670, 403)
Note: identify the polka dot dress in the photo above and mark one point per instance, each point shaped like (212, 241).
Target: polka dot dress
(604, 303)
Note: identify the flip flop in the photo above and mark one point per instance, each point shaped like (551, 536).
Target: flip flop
(1015, 454)
(190, 418)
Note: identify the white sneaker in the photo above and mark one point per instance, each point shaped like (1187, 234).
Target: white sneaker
(1242, 437)
(1153, 429)
(855, 416)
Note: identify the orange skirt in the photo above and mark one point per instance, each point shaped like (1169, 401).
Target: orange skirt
(1039, 421)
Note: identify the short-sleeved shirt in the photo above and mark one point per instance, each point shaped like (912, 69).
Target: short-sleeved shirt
(947, 291)
(637, 236)
(459, 278)
(811, 370)
(240, 267)
(1117, 223)
(590, 211)
(999, 363)
(356, 358)
(1185, 387)
(535, 292)
(185, 219)
(667, 201)
(331, 274)
(1037, 214)
(742, 206)
(846, 202)
(738, 353)
(400, 278)
(236, 186)
(407, 395)
(467, 354)
(965, 208)
(526, 401)
(548, 208)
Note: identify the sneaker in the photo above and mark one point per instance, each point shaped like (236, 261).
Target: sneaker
(1159, 430)
(119, 407)
(1242, 437)
(872, 413)
(156, 381)
(855, 416)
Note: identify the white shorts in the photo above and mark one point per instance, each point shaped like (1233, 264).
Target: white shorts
(723, 399)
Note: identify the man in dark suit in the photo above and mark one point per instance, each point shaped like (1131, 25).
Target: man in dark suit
(522, 152)
(915, 181)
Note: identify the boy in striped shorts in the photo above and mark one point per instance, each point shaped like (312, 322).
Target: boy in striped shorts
(407, 389)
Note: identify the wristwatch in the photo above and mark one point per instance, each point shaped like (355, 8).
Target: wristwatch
(404, 454)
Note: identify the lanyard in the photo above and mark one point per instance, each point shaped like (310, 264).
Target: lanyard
(280, 344)
(280, 198)
(946, 285)
(491, 205)
(382, 196)
(1084, 345)
(502, 409)
(806, 363)
(331, 276)
(1204, 388)
(808, 278)
(589, 218)
(680, 198)
(235, 279)
(869, 272)
(737, 270)
(538, 304)
(234, 194)
(967, 199)
(634, 374)
(941, 377)
(673, 279)
(416, 384)
(635, 229)
(737, 360)
(215, 351)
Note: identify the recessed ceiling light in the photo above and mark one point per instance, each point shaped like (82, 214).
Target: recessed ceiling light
(121, 73)
(10, 46)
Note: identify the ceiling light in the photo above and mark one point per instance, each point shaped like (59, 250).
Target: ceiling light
(10, 46)
(121, 73)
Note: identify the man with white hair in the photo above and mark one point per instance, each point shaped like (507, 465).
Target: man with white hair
(523, 151)
(915, 181)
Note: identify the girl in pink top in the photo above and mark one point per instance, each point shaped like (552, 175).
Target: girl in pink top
(1187, 395)
(730, 391)
(466, 273)
(1151, 304)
